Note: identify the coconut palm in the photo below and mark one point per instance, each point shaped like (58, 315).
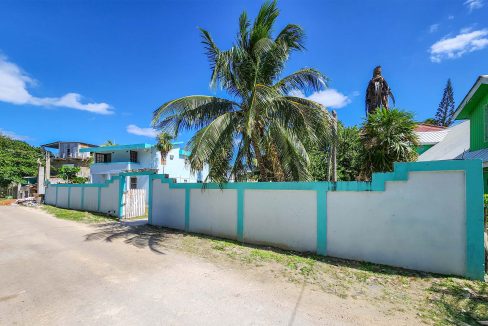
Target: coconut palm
(387, 136)
(261, 126)
(164, 144)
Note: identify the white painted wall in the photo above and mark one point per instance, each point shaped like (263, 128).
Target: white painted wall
(214, 212)
(50, 196)
(282, 218)
(91, 199)
(109, 202)
(75, 198)
(168, 206)
(109, 198)
(418, 224)
(62, 197)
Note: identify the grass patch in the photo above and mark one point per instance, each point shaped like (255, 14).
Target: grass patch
(433, 299)
(78, 216)
(457, 301)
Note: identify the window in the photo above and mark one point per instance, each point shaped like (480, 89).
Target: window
(133, 156)
(133, 182)
(68, 152)
(103, 158)
(171, 157)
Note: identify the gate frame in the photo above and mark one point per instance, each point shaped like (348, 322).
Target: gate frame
(123, 183)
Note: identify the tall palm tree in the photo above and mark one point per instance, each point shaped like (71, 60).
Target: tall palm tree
(387, 136)
(164, 145)
(261, 126)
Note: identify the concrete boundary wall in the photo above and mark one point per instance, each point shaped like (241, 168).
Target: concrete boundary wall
(106, 198)
(425, 215)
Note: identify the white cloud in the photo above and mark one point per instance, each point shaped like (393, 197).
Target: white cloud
(474, 4)
(450, 17)
(433, 28)
(12, 134)
(14, 85)
(330, 97)
(135, 130)
(457, 46)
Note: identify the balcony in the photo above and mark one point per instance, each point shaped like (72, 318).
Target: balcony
(115, 167)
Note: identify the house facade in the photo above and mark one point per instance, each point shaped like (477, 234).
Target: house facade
(468, 139)
(67, 153)
(110, 161)
(474, 107)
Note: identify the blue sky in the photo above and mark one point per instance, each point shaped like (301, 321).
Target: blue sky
(91, 71)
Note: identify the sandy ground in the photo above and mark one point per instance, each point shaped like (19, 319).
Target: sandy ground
(56, 272)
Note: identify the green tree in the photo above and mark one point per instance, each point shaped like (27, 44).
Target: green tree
(387, 136)
(445, 112)
(69, 173)
(430, 121)
(17, 160)
(262, 126)
(108, 143)
(164, 144)
(348, 156)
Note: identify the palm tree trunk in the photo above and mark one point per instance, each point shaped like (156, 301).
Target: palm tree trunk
(259, 158)
(278, 173)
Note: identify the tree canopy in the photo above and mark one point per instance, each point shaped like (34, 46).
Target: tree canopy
(387, 136)
(445, 112)
(17, 160)
(261, 126)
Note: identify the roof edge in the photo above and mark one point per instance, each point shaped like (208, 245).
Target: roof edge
(482, 79)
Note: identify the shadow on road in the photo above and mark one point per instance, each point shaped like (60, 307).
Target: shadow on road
(140, 236)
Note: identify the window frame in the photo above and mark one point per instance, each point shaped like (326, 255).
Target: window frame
(133, 183)
(133, 156)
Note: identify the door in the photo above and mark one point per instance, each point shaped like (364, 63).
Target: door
(135, 203)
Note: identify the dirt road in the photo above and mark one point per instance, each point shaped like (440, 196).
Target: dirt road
(56, 272)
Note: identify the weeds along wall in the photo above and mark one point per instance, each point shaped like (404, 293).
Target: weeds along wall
(425, 216)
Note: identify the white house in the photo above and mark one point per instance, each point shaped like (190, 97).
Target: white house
(112, 160)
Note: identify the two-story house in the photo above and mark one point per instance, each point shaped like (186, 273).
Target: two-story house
(112, 160)
(468, 139)
(474, 107)
(67, 153)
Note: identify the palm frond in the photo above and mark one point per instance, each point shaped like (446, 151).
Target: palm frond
(190, 112)
(305, 80)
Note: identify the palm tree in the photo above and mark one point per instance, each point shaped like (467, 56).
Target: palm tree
(164, 145)
(387, 136)
(261, 126)
(108, 143)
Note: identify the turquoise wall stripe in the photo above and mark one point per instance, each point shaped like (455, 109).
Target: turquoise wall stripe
(150, 199)
(99, 198)
(69, 197)
(122, 181)
(322, 222)
(187, 209)
(114, 148)
(82, 200)
(240, 215)
(475, 254)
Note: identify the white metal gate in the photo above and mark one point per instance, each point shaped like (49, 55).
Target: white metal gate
(135, 203)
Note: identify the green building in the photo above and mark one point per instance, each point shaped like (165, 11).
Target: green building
(474, 108)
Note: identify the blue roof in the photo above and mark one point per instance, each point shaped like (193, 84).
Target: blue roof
(114, 148)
